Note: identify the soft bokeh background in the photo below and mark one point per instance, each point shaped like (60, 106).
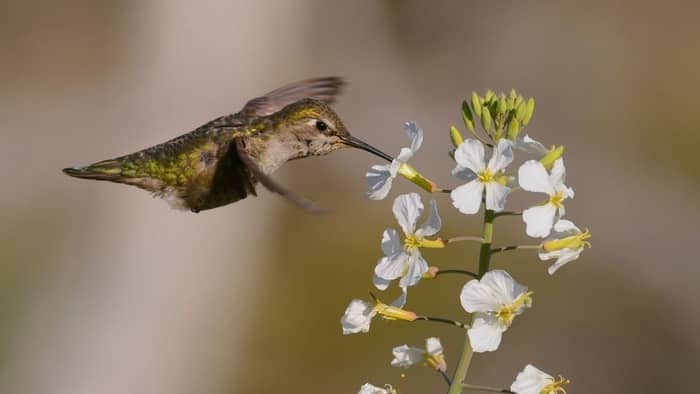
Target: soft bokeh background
(106, 290)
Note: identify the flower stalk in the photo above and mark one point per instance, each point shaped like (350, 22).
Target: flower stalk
(484, 260)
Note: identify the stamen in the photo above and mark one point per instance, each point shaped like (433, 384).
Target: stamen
(556, 199)
(555, 386)
(485, 176)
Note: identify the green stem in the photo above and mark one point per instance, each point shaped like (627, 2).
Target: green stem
(485, 388)
(461, 272)
(484, 260)
(464, 238)
(513, 247)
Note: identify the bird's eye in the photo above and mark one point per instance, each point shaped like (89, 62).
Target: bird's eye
(321, 125)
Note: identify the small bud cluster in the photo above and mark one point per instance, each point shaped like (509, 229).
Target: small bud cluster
(492, 298)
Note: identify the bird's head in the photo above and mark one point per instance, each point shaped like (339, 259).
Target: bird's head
(315, 124)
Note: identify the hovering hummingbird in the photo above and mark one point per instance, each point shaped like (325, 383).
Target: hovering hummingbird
(222, 161)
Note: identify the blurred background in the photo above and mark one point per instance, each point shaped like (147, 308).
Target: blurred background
(106, 290)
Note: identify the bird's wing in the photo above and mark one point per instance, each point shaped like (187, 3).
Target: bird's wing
(324, 89)
(272, 185)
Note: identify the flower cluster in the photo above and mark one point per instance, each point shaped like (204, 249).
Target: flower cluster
(492, 298)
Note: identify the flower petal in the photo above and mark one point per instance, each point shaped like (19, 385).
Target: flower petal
(558, 174)
(407, 208)
(485, 334)
(415, 134)
(391, 267)
(372, 389)
(357, 317)
(470, 154)
(405, 356)
(404, 155)
(417, 266)
(432, 224)
(501, 157)
(533, 177)
(475, 297)
(433, 346)
(539, 220)
(503, 287)
(496, 196)
(565, 256)
(467, 198)
(530, 381)
(380, 283)
(529, 145)
(391, 244)
(464, 173)
(566, 227)
(379, 179)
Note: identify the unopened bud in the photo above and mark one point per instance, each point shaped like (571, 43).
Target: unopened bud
(455, 136)
(551, 156)
(529, 109)
(476, 104)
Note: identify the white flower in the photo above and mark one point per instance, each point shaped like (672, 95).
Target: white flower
(533, 381)
(359, 314)
(402, 259)
(495, 300)
(357, 317)
(533, 177)
(406, 356)
(380, 176)
(472, 166)
(565, 244)
(372, 389)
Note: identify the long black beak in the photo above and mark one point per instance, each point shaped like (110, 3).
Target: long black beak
(359, 144)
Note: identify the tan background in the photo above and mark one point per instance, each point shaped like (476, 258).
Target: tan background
(105, 290)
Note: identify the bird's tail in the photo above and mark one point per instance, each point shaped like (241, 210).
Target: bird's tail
(107, 170)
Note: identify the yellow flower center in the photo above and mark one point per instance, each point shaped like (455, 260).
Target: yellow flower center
(556, 199)
(436, 361)
(485, 176)
(573, 242)
(411, 242)
(555, 386)
(506, 313)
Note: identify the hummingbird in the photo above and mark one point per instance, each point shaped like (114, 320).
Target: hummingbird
(222, 161)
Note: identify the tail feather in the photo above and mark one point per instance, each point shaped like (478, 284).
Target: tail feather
(108, 170)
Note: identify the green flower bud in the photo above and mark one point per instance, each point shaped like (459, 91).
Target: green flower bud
(467, 116)
(551, 156)
(530, 108)
(455, 136)
(489, 95)
(486, 119)
(502, 105)
(476, 104)
(513, 129)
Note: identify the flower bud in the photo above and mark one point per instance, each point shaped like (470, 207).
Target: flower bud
(513, 129)
(455, 136)
(529, 109)
(467, 116)
(390, 312)
(476, 104)
(551, 156)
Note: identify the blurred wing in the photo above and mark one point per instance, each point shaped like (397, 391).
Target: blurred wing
(323, 89)
(272, 185)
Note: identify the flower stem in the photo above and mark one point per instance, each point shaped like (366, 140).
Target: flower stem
(484, 260)
(443, 320)
(513, 247)
(462, 272)
(444, 376)
(464, 238)
(508, 213)
(485, 388)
